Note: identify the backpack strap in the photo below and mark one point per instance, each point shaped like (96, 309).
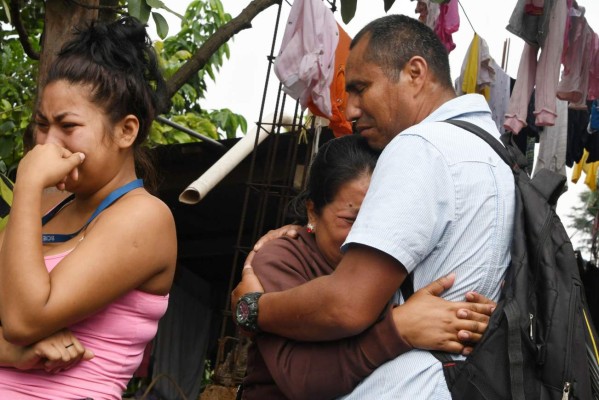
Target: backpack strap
(487, 137)
(511, 310)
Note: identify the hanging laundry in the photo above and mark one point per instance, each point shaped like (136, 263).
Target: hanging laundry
(579, 138)
(553, 142)
(532, 27)
(428, 12)
(477, 72)
(499, 95)
(590, 169)
(589, 163)
(442, 16)
(570, 6)
(593, 92)
(481, 74)
(337, 121)
(594, 119)
(542, 74)
(534, 7)
(448, 23)
(574, 82)
(306, 61)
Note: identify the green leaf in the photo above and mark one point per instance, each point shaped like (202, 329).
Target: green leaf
(183, 55)
(140, 10)
(161, 25)
(160, 4)
(388, 4)
(243, 125)
(7, 126)
(348, 10)
(6, 147)
(7, 11)
(6, 105)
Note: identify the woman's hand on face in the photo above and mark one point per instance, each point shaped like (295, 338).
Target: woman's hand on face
(50, 165)
(429, 322)
(58, 352)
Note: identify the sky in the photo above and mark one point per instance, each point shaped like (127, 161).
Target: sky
(240, 83)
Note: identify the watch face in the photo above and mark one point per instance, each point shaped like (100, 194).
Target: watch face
(243, 310)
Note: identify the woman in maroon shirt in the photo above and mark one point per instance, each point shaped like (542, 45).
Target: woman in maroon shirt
(281, 368)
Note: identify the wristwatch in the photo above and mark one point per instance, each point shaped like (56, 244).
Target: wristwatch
(246, 312)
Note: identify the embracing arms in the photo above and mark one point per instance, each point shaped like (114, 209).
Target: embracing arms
(330, 368)
(324, 370)
(330, 307)
(302, 313)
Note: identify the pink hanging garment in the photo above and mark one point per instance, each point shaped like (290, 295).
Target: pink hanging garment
(594, 69)
(534, 7)
(448, 23)
(306, 62)
(574, 82)
(543, 74)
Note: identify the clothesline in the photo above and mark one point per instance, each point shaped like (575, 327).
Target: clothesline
(466, 15)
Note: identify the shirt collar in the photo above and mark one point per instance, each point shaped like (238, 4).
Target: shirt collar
(466, 104)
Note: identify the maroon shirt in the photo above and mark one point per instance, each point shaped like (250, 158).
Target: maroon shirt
(280, 368)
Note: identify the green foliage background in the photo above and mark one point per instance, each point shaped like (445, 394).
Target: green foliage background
(582, 217)
(18, 73)
(18, 81)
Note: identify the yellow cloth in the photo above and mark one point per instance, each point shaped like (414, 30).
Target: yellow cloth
(590, 169)
(470, 74)
(471, 70)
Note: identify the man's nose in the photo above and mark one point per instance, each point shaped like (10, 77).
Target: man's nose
(352, 109)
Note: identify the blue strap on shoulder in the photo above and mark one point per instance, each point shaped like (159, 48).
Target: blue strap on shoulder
(107, 202)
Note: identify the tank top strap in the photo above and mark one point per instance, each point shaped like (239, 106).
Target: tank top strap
(107, 202)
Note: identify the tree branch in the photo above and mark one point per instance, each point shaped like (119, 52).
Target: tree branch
(114, 8)
(15, 16)
(213, 43)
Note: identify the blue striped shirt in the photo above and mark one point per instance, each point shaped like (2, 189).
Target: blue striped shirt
(440, 201)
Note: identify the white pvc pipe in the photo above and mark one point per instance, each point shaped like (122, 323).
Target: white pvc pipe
(197, 190)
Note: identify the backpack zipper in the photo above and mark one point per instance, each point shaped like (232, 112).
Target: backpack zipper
(566, 391)
(531, 334)
(573, 302)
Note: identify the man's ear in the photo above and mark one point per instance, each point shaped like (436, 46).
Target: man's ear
(127, 130)
(416, 70)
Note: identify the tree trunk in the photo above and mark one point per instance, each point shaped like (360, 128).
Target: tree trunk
(61, 17)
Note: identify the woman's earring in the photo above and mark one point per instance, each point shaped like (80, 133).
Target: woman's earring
(310, 227)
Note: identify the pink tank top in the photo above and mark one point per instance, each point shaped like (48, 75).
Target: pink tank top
(117, 335)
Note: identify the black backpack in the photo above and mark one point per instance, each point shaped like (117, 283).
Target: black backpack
(540, 343)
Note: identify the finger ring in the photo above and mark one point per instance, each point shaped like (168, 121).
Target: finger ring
(68, 345)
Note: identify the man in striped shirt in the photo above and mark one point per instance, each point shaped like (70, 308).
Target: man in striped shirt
(440, 201)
